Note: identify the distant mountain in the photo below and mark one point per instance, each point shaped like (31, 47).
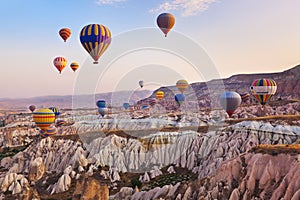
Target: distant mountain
(288, 86)
(81, 101)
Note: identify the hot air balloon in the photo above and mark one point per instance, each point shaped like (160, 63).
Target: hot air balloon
(102, 111)
(32, 108)
(141, 83)
(95, 39)
(165, 22)
(179, 98)
(60, 63)
(245, 97)
(145, 107)
(50, 131)
(263, 89)
(55, 110)
(160, 95)
(126, 105)
(101, 104)
(182, 85)
(43, 118)
(65, 33)
(74, 66)
(230, 101)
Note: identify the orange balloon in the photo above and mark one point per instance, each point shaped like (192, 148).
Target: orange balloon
(60, 63)
(65, 33)
(74, 66)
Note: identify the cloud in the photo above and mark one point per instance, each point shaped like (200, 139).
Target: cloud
(186, 7)
(109, 2)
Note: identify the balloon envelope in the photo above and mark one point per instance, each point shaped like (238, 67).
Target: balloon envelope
(179, 98)
(43, 118)
(245, 97)
(60, 63)
(160, 95)
(263, 89)
(50, 131)
(55, 110)
(126, 105)
(102, 111)
(65, 33)
(32, 108)
(144, 107)
(74, 66)
(95, 39)
(230, 101)
(165, 22)
(101, 104)
(141, 83)
(182, 85)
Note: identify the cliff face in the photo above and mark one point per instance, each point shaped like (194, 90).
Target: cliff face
(249, 176)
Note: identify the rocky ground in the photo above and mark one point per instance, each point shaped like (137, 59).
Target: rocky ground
(173, 156)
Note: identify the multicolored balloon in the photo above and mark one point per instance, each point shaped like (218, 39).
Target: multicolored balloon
(43, 118)
(245, 97)
(55, 110)
(74, 66)
(65, 33)
(160, 95)
(60, 63)
(32, 108)
(141, 83)
(126, 105)
(182, 85)
(179, 98)
(95, 39)
(50, 131)
(165, 22)
(230, 101)
(263, 89)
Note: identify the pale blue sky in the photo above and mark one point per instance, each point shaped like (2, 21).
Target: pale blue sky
(243, 36)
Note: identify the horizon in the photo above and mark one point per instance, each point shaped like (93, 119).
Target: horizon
(259, 37)
(140, 91)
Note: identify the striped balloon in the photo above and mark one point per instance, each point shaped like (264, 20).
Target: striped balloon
(65, 33)
(245, 97)
(60, 63)
(160, 95)
(263, 89)
(95, 39)
(55, 110)
(165, 22)
(182, 85)
(43, 118)
(50, 131)
(74, 66)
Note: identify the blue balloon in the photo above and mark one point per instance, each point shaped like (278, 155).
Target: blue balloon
(126, 105)
(144, 107)
(179, 98)
(101, 104)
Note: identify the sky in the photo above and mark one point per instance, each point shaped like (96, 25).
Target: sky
(247, 36)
